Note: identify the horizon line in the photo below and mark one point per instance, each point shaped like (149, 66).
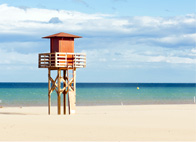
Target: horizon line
(115, 82)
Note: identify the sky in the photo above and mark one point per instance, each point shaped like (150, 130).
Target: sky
(150, 41)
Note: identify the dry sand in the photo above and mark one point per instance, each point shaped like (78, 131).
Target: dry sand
(100, 123)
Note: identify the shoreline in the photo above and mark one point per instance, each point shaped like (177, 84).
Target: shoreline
(115, 104)
(100, 123)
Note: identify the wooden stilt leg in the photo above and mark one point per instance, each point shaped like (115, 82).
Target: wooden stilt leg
(59, 104)
(74, 83)
(68, 92)
(74, 76)
(49, 96)
(64, 93)
(71, 93)
(59, 93)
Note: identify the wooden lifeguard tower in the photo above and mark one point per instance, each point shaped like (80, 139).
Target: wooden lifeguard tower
(63, 60)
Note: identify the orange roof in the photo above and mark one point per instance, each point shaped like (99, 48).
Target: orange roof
(61, 34)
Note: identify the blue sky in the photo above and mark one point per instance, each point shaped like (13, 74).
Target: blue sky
(119, 7)
(125, 40)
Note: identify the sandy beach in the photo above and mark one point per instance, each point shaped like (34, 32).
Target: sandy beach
(100, 123)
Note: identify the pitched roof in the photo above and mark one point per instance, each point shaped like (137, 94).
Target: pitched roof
(61, 34)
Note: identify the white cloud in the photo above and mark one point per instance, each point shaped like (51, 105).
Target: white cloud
(193, 51)
(17, 59)
(123, 57)
(113, 41)
(175, 40)
(34, 20)
(172, 60)
(19, 21)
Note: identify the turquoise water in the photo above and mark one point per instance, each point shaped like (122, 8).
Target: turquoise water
(35, 94)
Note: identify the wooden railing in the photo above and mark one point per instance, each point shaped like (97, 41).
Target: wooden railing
(61, 59)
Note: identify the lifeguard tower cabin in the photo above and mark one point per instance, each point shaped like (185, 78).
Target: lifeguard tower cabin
(63, 60)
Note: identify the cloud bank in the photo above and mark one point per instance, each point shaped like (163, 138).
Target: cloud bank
(116, 41)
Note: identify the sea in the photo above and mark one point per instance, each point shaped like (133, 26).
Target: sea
(95, 94)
